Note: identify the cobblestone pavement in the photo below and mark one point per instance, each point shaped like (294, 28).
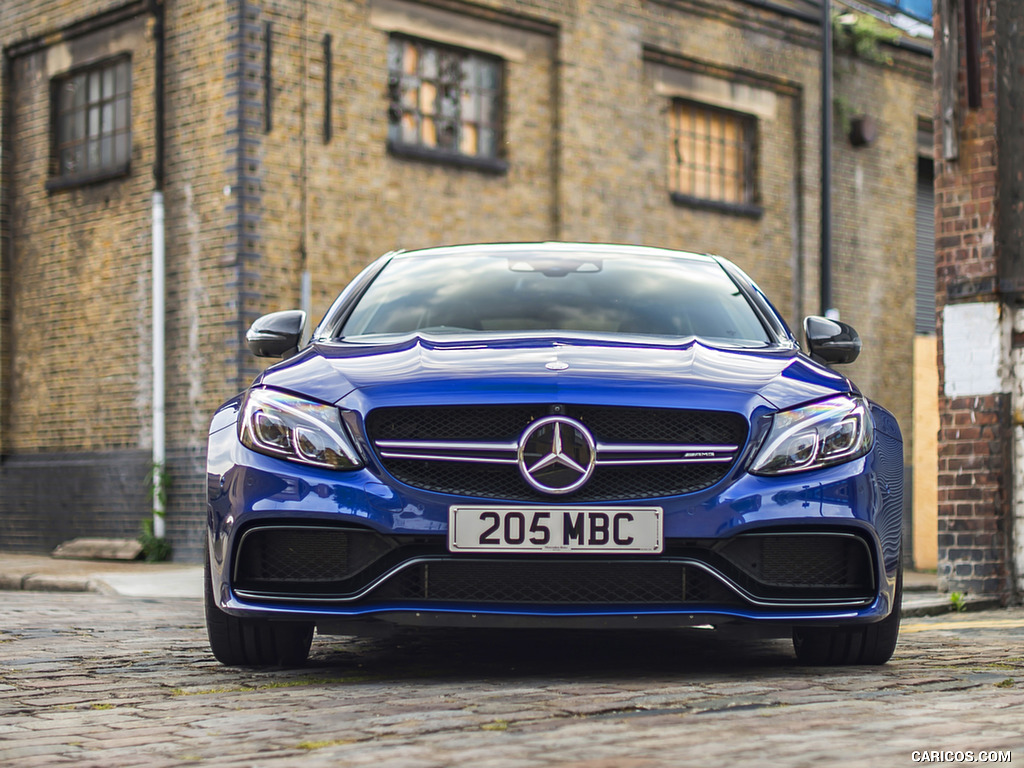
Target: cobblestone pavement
(106, 680)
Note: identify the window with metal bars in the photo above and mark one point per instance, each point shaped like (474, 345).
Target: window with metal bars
(91, 123)
(712, 156)
(444, 103)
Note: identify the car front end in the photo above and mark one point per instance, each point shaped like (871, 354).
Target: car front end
(553, 479)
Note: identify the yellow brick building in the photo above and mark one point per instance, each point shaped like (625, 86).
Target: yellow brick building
(295, 140)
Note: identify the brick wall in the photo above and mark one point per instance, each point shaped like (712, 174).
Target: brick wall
(74, 344)
(252, 203)
(79, 269)
(973, 468)
(975, 476)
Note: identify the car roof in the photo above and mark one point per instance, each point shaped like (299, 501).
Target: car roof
(553, 248)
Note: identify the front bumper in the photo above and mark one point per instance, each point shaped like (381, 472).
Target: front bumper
(295, 543)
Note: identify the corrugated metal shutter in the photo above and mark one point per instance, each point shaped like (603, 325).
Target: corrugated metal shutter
(924, 293)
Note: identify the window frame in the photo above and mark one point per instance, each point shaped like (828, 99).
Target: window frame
(495, 164)
(748, 124)
(57, 178)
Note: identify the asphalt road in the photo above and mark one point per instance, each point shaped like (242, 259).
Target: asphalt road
(107, 680)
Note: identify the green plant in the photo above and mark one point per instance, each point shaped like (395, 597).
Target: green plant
(862, 35)
(844, 112)
(159, 483)
(155, 549)
(959, 601)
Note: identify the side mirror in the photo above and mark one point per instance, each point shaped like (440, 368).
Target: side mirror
(830, 341)
(277, 334)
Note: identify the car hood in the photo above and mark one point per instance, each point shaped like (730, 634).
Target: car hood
(470, 370)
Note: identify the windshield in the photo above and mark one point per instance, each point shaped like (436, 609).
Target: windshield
(544, 291)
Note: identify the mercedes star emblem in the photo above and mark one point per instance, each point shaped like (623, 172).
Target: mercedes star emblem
(556, 454)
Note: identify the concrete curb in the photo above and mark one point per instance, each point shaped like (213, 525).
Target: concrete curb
(941, 604)
(143, 582)
(45, 582)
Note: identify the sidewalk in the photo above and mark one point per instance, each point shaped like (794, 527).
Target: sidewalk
(135, 578)
(42, 573)
(922, 598)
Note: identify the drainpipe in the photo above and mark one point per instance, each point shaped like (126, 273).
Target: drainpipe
(826, 162)
(158, 271)
(159, 428)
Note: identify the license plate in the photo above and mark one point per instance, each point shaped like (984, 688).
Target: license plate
(554, 529)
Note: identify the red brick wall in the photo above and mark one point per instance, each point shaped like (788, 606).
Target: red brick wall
(974, 436)
(973, 468)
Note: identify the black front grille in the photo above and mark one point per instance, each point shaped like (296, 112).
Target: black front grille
(800, 564)
(606, 484)
(611, 425)
(621, 424)
(468, 422)
(310, 557)
(555, 583)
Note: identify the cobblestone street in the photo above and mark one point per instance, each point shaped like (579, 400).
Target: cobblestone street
(100, 680)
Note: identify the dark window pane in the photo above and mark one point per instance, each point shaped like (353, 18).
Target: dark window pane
(80, 86)
(121, 148)
(711, 154)
(121, 114)
(68, 161)
(443, 98)
(92, 120)
(92, 156)
(121, 73)
(66, 97)
(64, 128)
(106, 151)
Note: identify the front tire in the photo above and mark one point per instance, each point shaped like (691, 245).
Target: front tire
(840, 646)
(253, 642)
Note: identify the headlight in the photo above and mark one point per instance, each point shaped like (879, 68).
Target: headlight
(292, 428)
(815, 436)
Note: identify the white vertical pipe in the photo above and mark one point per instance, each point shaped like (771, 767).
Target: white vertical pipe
(159, 337)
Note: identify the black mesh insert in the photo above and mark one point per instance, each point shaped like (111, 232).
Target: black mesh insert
(305, 555)
(554, 583)
(463, 422)
(621, 424)
(652, 426)
(607, 483)
(800, 564)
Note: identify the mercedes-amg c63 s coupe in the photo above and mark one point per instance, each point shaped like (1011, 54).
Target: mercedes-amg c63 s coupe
(552, 435)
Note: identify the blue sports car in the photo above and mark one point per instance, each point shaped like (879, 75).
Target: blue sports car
(552, 435)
